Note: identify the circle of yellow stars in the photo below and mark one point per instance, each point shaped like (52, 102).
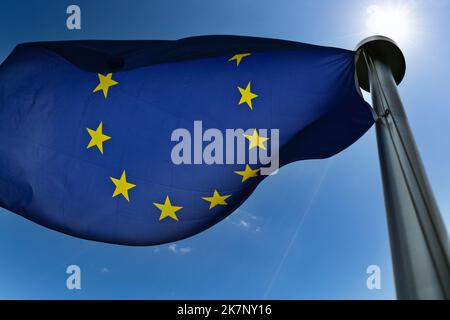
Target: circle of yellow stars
(167, 209)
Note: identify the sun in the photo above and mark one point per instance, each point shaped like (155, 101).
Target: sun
(395, 21)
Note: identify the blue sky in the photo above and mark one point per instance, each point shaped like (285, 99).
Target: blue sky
(308, 232)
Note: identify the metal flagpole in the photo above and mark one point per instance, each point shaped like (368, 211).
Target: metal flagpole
(418, 238)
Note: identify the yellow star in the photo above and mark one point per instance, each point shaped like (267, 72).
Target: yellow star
(247, 173)
(256, 140)
(167, 209)
(216, 199)
(238, 57)
(97, 137)
(105, 83)
(247, 96)
(122, 186)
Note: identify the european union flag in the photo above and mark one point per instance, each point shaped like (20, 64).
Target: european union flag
(138, 142)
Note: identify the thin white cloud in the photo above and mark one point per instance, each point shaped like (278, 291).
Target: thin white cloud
(182, 250)
(185, 250)
(245, 220)
(244, 224)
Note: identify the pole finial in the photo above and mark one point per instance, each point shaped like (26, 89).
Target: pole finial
(381, 48)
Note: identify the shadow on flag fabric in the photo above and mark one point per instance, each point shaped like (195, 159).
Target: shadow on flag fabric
(88, 128)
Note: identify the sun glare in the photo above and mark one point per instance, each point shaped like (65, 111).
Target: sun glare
(391, 20)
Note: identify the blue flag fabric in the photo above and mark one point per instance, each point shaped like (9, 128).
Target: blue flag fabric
(86, 128)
